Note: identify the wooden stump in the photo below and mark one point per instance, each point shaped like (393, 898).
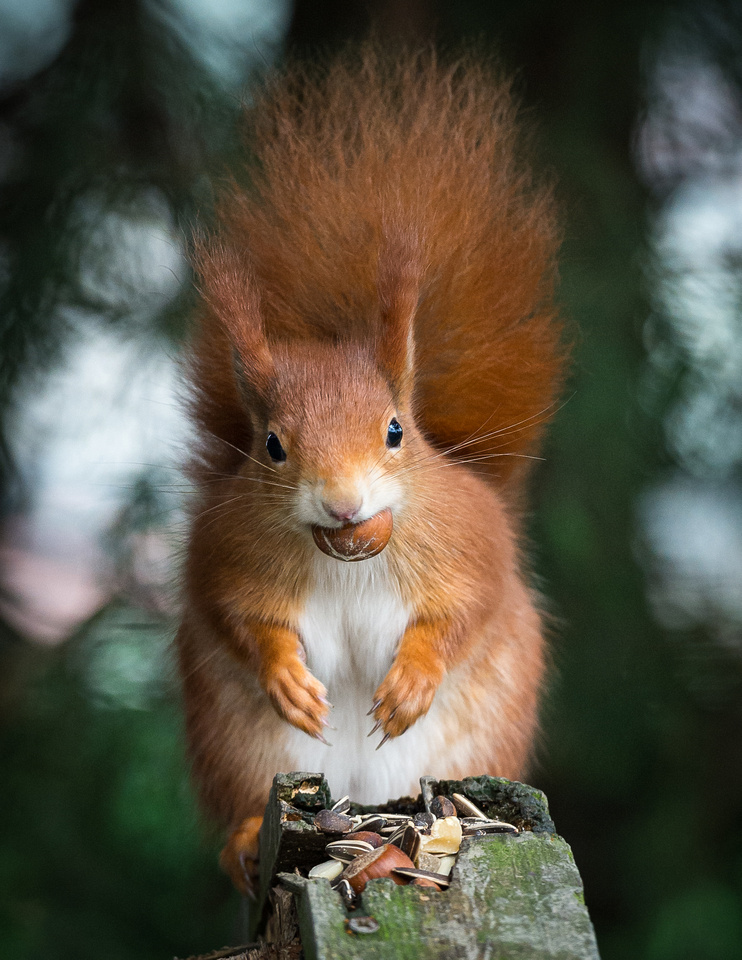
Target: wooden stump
(510, 896)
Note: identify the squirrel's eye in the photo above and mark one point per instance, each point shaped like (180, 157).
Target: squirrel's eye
(394, 434)
(274, 448)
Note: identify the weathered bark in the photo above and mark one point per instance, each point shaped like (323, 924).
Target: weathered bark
(512, 897)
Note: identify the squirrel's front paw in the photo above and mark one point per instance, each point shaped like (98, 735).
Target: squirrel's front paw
(405, 695)
(297, 696)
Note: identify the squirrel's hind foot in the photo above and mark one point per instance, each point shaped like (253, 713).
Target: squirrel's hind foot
(239, 858)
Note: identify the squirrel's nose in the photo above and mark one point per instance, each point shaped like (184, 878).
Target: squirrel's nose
(342, 510)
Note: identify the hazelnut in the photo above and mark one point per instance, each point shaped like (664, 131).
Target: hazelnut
(374, 864)
(356, 541)
(368, 836)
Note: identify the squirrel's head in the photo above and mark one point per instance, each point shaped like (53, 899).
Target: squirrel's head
(334, 431)
(331, 419)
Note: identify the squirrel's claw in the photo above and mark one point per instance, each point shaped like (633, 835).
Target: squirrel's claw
(298, 697)
(239, 858)
(404, 696)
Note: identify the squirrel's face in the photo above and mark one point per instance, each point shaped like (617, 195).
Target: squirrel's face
(334, 436)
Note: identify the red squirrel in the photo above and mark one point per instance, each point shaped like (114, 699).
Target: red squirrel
(377, 336)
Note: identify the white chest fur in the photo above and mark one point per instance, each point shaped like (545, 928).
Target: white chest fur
(352, 623)
(351, 626)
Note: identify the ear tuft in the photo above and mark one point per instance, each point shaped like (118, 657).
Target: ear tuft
(228, 289)
(400, 272)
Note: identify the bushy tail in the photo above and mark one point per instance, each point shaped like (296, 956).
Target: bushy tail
(342, 154)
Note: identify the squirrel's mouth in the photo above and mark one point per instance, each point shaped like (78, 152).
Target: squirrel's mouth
(356, 541)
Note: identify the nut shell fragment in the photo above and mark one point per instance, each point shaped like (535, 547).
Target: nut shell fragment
(446, 865)
(330, 869)
(444, 837)
(427, 861)
(356, 541)
(362, 924)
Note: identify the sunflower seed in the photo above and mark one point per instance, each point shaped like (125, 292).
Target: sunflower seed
(399, 834)
(372, 823)
(347, 850)
(473, 826)
(393, 829)
(341, 806)
(345, 890)
(466, 808)
(424, 821)
(412, 874)
(442, 807)
(409, 842)
(329, 822)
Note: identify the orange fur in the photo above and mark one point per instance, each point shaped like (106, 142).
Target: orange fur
(391, 259)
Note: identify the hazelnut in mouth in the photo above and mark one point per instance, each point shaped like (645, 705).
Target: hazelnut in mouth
(355, 541)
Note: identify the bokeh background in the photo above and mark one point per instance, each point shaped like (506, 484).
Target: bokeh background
(116, 119)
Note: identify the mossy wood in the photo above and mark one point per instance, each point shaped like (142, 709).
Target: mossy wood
(510, 896)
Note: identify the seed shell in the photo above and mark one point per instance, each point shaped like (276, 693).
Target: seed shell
(441, 806)
(345, 890)
(413, 873)
(474, 826)
(373, 823)
(409, 842)
(362, 924)
(466, 808)
(347, 850)
(329, 822)
(424, 821)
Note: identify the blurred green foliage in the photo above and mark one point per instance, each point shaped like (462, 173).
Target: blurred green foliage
(101, 849)
(101, 852)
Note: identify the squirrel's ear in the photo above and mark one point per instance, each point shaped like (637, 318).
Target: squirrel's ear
(399, 280)
(228, 289)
